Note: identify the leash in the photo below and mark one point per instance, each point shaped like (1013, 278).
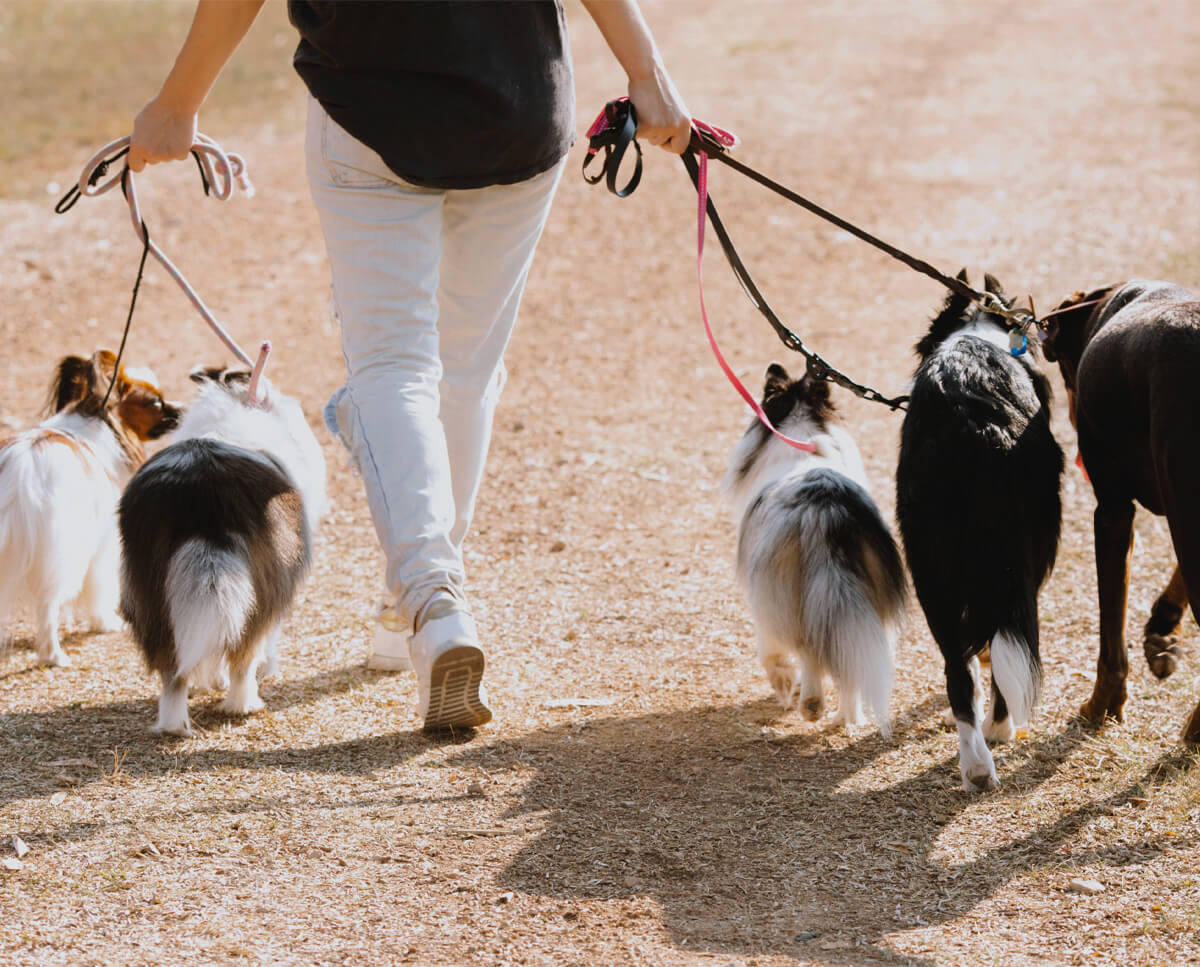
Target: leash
(219, 172)
(614, 129)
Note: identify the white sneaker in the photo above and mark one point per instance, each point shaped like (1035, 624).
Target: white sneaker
(389, 648)
(449, 663)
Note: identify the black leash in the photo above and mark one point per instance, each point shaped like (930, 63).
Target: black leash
(137, 285)
(620, 128)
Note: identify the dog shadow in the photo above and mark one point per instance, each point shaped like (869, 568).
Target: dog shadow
(88, 732)
(761, 836)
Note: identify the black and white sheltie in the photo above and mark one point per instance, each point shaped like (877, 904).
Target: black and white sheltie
(59, 486)
(217, 534)
(977, 498)
(820, 570)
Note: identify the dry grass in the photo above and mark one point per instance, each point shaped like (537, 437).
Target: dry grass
(669, 814)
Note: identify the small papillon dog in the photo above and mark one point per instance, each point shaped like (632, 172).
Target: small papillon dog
(59, 486)
(217, 533)
(820, 569)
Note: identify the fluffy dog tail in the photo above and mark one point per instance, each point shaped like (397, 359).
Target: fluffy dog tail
(858, 639)
(209, 596)
(1017, 672)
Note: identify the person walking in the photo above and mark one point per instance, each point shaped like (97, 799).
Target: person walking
(436, 135)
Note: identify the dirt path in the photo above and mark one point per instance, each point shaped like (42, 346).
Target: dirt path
(673, 816)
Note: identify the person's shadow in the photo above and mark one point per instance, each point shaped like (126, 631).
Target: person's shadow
(761, 844)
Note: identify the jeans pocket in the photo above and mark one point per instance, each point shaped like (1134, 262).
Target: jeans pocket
(350, 162)
(339, 418)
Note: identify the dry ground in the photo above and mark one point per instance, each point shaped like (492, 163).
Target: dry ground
(640, 798)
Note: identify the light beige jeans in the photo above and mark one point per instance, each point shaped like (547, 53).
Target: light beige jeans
(426, 286)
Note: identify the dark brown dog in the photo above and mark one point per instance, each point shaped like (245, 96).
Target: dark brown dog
(1130, 358)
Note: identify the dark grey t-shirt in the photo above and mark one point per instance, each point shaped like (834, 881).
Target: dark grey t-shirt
(451, 94)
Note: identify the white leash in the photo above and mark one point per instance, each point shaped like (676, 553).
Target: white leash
(220, 170)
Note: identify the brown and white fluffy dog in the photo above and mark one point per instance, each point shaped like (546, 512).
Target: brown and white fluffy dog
(217, 533)
(59, 486)
(1130, 355)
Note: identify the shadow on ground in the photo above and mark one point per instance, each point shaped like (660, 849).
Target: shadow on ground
(742, 836)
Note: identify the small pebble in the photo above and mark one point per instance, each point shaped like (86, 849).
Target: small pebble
(1088, 887)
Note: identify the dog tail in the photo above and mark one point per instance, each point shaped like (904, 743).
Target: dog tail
(860, 655)
(210, 596)
(1017, 672)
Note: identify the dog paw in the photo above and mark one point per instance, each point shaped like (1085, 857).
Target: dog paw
(1096, 710)
(105, 623)
(1162, 653)
(1191, 731)
(1003, 731)
(811, 707)
(182, 730)
(241, 707)
(980, 780)
(783, 679)
(268, 669)
(57, 658)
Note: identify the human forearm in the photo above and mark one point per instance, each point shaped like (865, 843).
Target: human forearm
(165, 128)
(217, 28)
(662, 116)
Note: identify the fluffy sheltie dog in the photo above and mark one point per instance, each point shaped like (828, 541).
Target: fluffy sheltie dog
(217, 535)
(977, 498)
(818, 565)
(59, 486)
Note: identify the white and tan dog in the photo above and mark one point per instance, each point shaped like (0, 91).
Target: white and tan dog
(59, 486)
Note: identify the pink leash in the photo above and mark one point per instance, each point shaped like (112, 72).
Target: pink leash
(607, 118)
(221, 170)
(727, 140)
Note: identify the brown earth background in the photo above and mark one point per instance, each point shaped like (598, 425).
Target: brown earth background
(640, 798)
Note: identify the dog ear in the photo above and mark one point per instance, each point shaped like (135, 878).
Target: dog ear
(70, 383)
(962, 275)
(206, 374)
(776, 381)
(1066, 321)
(992, 284)
(100, 373)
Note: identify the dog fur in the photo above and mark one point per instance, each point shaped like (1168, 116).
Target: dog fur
(217, 531)
(1129, 362)
(59, 486)
(820, 570)
(977, 499)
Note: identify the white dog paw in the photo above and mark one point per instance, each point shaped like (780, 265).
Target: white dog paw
(181, 729)
(240, 706)
(1004, 731)
(57, 658)
(784, 679)
(975, 760)
(105, 623)
(852, 719)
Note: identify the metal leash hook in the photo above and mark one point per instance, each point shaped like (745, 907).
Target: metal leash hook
(220, 172)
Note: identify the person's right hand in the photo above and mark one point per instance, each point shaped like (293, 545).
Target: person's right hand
(160, 133)
(662, 117)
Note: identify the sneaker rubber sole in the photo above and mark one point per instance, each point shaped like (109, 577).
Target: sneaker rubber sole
(455, 700)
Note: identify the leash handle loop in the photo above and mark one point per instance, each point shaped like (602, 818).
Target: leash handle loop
(220, 172)
(613, 131)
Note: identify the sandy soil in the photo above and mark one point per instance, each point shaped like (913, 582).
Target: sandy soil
(641, 798)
